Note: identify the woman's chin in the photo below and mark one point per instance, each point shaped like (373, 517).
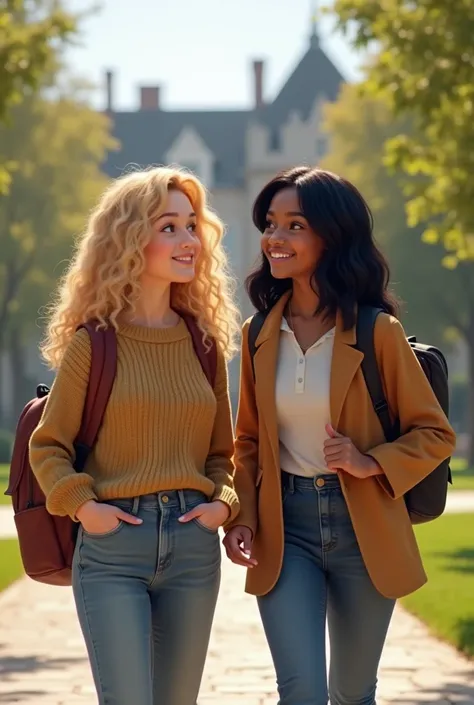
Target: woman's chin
(183, 275)
(281, 271)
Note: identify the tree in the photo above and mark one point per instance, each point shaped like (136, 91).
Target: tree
(424, 67)
(30, 33)
(358, 125)
(58, 147)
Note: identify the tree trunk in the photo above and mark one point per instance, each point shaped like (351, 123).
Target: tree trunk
(21, 383)
(3, 415)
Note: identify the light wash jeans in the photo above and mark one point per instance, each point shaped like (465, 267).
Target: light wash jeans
(323, 576)
(145, 598)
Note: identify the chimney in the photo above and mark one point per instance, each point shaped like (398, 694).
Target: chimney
(109, 79)
(149, 97)
(258, 84)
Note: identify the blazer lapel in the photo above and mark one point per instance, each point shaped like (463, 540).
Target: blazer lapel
(346, 360)
(266, 360)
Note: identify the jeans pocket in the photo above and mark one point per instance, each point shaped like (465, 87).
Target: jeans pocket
(205, 528)
(112, 532)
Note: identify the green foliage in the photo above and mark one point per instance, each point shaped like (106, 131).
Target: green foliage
(358, 125)
(424, 68)
(6, 445)
(30, 34)
(58, 147)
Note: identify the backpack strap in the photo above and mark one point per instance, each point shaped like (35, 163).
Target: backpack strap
(207, 357)
(256, 325)
(366, 318)
(101, 379)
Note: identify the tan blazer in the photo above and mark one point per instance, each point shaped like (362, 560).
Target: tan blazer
(376, 504)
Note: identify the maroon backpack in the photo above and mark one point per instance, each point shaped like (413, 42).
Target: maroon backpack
(47, 542)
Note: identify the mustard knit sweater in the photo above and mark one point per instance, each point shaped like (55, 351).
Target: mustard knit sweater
(164, 427)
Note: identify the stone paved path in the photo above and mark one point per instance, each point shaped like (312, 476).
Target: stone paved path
(42, 657)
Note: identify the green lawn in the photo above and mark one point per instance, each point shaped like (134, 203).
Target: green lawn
(4, 470)
(463, 477)
(446, 603)
(11, 566)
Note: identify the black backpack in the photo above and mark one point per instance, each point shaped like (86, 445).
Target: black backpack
(427, 500)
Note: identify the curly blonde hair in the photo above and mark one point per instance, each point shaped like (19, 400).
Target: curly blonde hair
(103, 278)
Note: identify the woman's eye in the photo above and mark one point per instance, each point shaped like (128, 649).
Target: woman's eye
(296, 226)
(168, 229)
(192, 227)
(269, 226)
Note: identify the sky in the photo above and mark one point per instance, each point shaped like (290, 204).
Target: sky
(198, 51)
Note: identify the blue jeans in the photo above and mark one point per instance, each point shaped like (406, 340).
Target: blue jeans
(323, 575)
(145, 598)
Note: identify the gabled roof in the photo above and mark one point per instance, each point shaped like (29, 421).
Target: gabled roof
(145, 136)
(314, 76)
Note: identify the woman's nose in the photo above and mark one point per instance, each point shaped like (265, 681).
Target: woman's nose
(276, 238)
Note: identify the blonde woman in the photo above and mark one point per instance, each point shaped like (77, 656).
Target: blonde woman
(158, 484)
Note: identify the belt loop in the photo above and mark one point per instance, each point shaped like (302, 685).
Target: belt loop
(291, 484)
(135, 505)
(182, 501)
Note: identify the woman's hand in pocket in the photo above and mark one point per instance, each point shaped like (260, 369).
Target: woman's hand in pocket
(210, 514)
(97, 518)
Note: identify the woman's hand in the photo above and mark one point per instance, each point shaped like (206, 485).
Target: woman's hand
(238, 545)
(341, 454)
(99, 518)
(210, 514)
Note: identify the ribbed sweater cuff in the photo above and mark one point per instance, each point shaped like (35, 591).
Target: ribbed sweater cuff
(229, 496)
(65, 499)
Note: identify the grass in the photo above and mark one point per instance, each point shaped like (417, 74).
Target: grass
(4, 471)
(11, 567)
(463, 477)
(446, 603)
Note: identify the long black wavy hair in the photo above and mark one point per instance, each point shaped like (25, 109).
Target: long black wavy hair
(352, 270)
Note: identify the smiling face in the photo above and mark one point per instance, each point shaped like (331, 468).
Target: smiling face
(174, 247)
(292, 248)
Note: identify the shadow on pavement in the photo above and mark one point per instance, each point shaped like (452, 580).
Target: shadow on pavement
(31, 664)
(20, 696)
(14, 668)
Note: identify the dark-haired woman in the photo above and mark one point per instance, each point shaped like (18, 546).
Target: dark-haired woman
(323, 527)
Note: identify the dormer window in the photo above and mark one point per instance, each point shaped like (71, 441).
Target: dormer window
(191, 152)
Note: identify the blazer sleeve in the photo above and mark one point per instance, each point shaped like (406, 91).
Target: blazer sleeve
(246, 442)
(427, 438)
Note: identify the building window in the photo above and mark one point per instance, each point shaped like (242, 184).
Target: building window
(275, 142)
(321, 146)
